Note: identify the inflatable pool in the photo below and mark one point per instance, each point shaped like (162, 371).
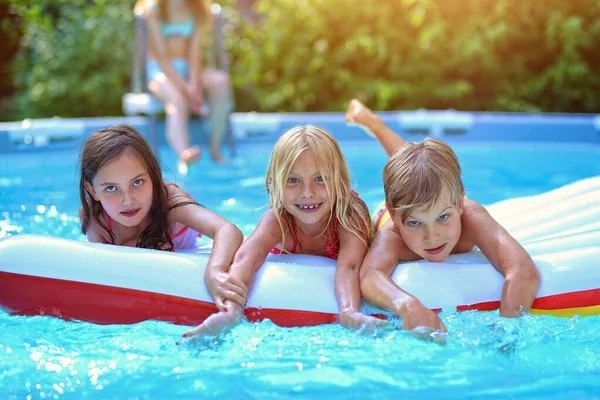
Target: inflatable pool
(121, 285)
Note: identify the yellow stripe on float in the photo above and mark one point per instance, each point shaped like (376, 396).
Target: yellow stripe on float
(569, 312)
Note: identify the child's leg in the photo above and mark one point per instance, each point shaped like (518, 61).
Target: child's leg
(177, 117)
(359, 114)
(218, 86)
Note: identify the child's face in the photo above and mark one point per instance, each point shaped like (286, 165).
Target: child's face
(433, 233)
(124, 188)
(305, 194)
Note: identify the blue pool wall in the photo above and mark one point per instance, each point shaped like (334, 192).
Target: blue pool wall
(451, 126)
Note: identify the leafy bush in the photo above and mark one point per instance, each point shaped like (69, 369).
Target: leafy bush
(75, 57)
(408, 54)
(313, 55)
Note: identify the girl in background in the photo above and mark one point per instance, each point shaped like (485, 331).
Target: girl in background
(175, 75)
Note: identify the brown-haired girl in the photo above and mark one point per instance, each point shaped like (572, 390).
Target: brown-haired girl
(124, 201)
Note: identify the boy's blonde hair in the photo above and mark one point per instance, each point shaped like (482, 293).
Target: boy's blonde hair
(350, 211)
(417, 174)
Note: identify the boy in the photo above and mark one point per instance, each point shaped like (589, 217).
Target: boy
(426, 216)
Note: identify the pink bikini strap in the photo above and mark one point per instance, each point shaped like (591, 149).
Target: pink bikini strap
(109, 226)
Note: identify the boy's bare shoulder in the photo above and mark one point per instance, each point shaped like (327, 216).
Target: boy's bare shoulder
(390, 233)
(388, 239)
(474, 213)
(475, 221)
(388, 226)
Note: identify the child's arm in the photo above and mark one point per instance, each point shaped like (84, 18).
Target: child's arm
(347, 286)
(94, 231)
(379, 289)
(195, 84)
(521, 276)
(358, 113)
(226, 240)
(250, 256)
(256, 248)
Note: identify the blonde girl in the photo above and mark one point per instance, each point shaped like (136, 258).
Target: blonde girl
(312, 211)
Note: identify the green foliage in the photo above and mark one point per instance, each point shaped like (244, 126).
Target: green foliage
(313, 55)
(75, 57)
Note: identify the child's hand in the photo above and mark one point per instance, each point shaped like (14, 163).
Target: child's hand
(195, 97)
(222, 286)
(356, 319)
(218, 323)
(416, 315)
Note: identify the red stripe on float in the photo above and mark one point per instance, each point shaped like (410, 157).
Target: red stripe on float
(485, 306)
(582, 298)
(102, 304)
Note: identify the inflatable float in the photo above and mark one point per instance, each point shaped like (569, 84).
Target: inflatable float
(121, 285)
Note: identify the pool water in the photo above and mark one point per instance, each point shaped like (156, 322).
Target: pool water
(40, 191)
(486, 357)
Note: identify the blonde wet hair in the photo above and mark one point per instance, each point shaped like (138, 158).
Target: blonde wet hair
(418, 174)
(350, 211)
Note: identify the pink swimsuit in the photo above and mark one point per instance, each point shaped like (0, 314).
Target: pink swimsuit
(184, 239)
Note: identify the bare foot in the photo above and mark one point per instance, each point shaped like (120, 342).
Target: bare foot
(359, 114)
(362, 322)
(216, 324)
(190, 155)
(187, 157)
(217, 157)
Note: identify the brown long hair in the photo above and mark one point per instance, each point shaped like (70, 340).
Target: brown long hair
(106, 145)
(200, 10)
(350, 210)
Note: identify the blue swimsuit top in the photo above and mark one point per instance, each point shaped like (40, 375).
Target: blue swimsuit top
(184, 29)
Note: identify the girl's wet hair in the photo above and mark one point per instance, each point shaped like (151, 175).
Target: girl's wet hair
(106, 145)
(350, 211)
(418, 174)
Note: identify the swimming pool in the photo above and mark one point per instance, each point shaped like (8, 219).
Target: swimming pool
(486, 356)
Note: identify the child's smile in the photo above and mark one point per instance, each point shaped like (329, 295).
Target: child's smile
(305, 194)
(436, 250)
(309, 208)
